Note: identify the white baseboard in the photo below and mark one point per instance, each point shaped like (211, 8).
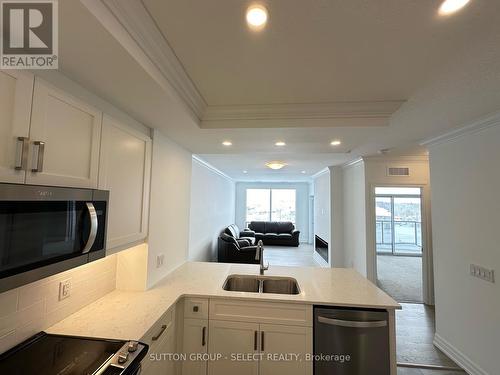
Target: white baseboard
(460, 359)
(319, 259)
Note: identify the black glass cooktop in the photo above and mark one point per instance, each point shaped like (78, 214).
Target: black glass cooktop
(45, 354)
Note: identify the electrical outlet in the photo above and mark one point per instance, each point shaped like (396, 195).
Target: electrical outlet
(482, 273)
(160, 260)
(64, 289)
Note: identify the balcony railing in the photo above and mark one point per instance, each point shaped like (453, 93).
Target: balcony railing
(406, 238)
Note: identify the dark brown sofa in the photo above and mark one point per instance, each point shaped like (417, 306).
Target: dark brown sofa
(280, 233)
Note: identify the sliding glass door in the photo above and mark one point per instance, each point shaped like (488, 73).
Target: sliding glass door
(399, 221)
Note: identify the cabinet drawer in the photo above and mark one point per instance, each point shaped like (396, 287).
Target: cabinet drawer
(261, 312)
(156, 333)
(196, 308)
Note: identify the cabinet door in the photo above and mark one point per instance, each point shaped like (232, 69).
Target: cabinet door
(277, 341)
(16, 91)
(70, 130)
(161, 365)
(195, 341)
(124, 170)
(227, 338)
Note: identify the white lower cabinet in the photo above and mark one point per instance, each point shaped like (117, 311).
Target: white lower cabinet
(228, 338)
(229, 347)
(259, 338)
(264, 349)
(195, 345)
(161, 339)
(125, 167)
(284, 350)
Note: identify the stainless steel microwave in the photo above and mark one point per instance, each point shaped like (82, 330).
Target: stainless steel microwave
(47, 230)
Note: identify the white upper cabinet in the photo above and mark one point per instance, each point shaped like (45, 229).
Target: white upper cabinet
(65, 134)
(16, 90)
(125, 167)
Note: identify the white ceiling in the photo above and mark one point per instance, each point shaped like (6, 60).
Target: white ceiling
(313, 51)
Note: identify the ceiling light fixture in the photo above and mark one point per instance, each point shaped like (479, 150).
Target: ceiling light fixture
(275, 165)
(452, 6)
(245, 172)
(303, 172)
(280, 144)
(227, 143)
(256, 16)
(335, 142)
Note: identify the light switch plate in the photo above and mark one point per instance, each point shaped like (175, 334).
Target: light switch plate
(160, 259)
(482, 273)
(64, 289)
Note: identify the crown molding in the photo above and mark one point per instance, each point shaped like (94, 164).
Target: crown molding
(375, 112)
(481, 124)
(211, 168)
(320, 173)
(352, 163)
(403, 158)
(131, 24)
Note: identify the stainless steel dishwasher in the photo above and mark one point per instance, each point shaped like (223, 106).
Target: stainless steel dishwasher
(351, 341)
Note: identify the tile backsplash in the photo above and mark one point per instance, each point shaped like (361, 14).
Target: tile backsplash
(34, 307)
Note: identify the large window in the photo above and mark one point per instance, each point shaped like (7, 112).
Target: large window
(271, 205)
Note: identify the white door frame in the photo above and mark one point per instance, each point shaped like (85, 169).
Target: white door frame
(427, 252)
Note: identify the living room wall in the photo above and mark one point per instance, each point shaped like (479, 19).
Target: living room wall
(302, 202)
(212, 209)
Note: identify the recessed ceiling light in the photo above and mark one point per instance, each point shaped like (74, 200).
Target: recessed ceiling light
(335, 142)
(245, 172)
(303, 172)
(280, 143)
(256, 16)
(275, 164)
(227, 143)
(451, 6)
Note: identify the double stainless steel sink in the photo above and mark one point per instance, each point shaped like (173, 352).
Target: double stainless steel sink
(261, 284)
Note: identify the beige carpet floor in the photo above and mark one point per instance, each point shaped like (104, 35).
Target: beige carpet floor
(400, 277)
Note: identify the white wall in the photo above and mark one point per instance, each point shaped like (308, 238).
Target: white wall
(337, 217)
(322, 222)
(169, 206)
(355, 217)
(212, 209)
(465, 179)
(302, 201)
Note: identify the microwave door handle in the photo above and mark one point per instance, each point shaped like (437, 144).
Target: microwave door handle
(94, 224)
(351, 323)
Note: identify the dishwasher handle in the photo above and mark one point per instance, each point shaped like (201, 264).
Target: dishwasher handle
(352, 323)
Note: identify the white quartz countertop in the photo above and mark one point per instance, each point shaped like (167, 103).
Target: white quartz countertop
(128, 315)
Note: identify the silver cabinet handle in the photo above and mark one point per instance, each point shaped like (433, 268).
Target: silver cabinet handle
(158, 335)
(39, 159)
(351, 323)
(24, 154)
(94, 225)
(204, 336)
